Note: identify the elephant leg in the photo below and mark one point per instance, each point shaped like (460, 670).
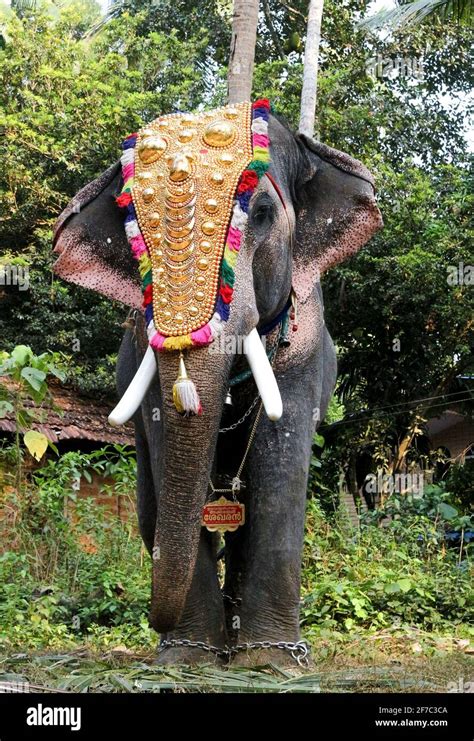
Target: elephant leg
(203, 617)
(267, 573)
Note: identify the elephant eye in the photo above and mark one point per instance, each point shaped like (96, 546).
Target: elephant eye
(262, 214)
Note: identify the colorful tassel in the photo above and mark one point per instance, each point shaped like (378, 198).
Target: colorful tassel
(185, 395)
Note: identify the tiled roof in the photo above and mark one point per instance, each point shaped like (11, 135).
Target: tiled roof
(76, 417)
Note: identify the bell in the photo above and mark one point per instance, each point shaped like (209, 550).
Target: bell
(228, 398)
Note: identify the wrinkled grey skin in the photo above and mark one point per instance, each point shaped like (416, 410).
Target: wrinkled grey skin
(330, 213)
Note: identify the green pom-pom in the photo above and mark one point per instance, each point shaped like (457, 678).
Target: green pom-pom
(259, 167)
(227, 274)
(147, 279)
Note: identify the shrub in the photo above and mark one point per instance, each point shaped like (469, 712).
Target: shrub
(374, 577)
(67, 573)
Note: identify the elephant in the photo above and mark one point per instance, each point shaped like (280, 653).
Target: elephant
(316, 208)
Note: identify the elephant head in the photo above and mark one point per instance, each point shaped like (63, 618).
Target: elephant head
(315, 208)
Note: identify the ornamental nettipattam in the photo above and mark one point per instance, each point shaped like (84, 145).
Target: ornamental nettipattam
(188, 180)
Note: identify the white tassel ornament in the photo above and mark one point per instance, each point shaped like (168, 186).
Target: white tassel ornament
(185, 395)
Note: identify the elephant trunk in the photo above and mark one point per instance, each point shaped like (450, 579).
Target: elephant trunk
(189, 448)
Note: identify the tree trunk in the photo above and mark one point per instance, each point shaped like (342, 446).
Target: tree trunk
(310, 68)
(242, 50)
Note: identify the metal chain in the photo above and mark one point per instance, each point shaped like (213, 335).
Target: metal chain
(235, 602)
(271, 357)
(243, 418)
(299, 650)
(236, 480)
(179, 642)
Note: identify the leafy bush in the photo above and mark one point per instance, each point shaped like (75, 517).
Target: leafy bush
(77, 573)
(75, 567)
(428, 518)
(24, 394)
(460, 480)
(379, 577)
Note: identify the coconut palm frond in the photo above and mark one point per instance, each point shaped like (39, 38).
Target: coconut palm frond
(408, 14)
(24, 6)
(115, 10)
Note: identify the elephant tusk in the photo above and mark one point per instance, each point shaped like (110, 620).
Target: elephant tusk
(263, 375)
(136, 391)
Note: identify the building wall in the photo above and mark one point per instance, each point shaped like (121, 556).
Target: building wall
(456, 438)
(122, 506)
(115, 505)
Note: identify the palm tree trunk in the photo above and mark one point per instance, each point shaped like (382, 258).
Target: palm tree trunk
(242, 50)
(310, 68)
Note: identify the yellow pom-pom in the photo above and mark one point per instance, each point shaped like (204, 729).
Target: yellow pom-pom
(178, 343)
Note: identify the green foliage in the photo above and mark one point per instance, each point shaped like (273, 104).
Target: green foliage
(25, 395)
(58, 476)
(65, 110)
(67, 107)
(411, 12)
(380, 577)
(325, 469)
(401, 355)
(401, 289)
(427, 516)
(460, 480)
(82, 570)
(28, 373)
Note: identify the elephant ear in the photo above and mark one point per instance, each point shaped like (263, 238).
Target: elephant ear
(336, 212)
(90, 241)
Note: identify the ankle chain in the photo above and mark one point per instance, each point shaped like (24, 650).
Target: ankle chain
(298, 651)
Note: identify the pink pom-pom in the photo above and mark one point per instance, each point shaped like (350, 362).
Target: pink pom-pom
(234, 238)
(260, 140)
(201, 336)
(157, 341)
(138, 246)
(128, 171)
